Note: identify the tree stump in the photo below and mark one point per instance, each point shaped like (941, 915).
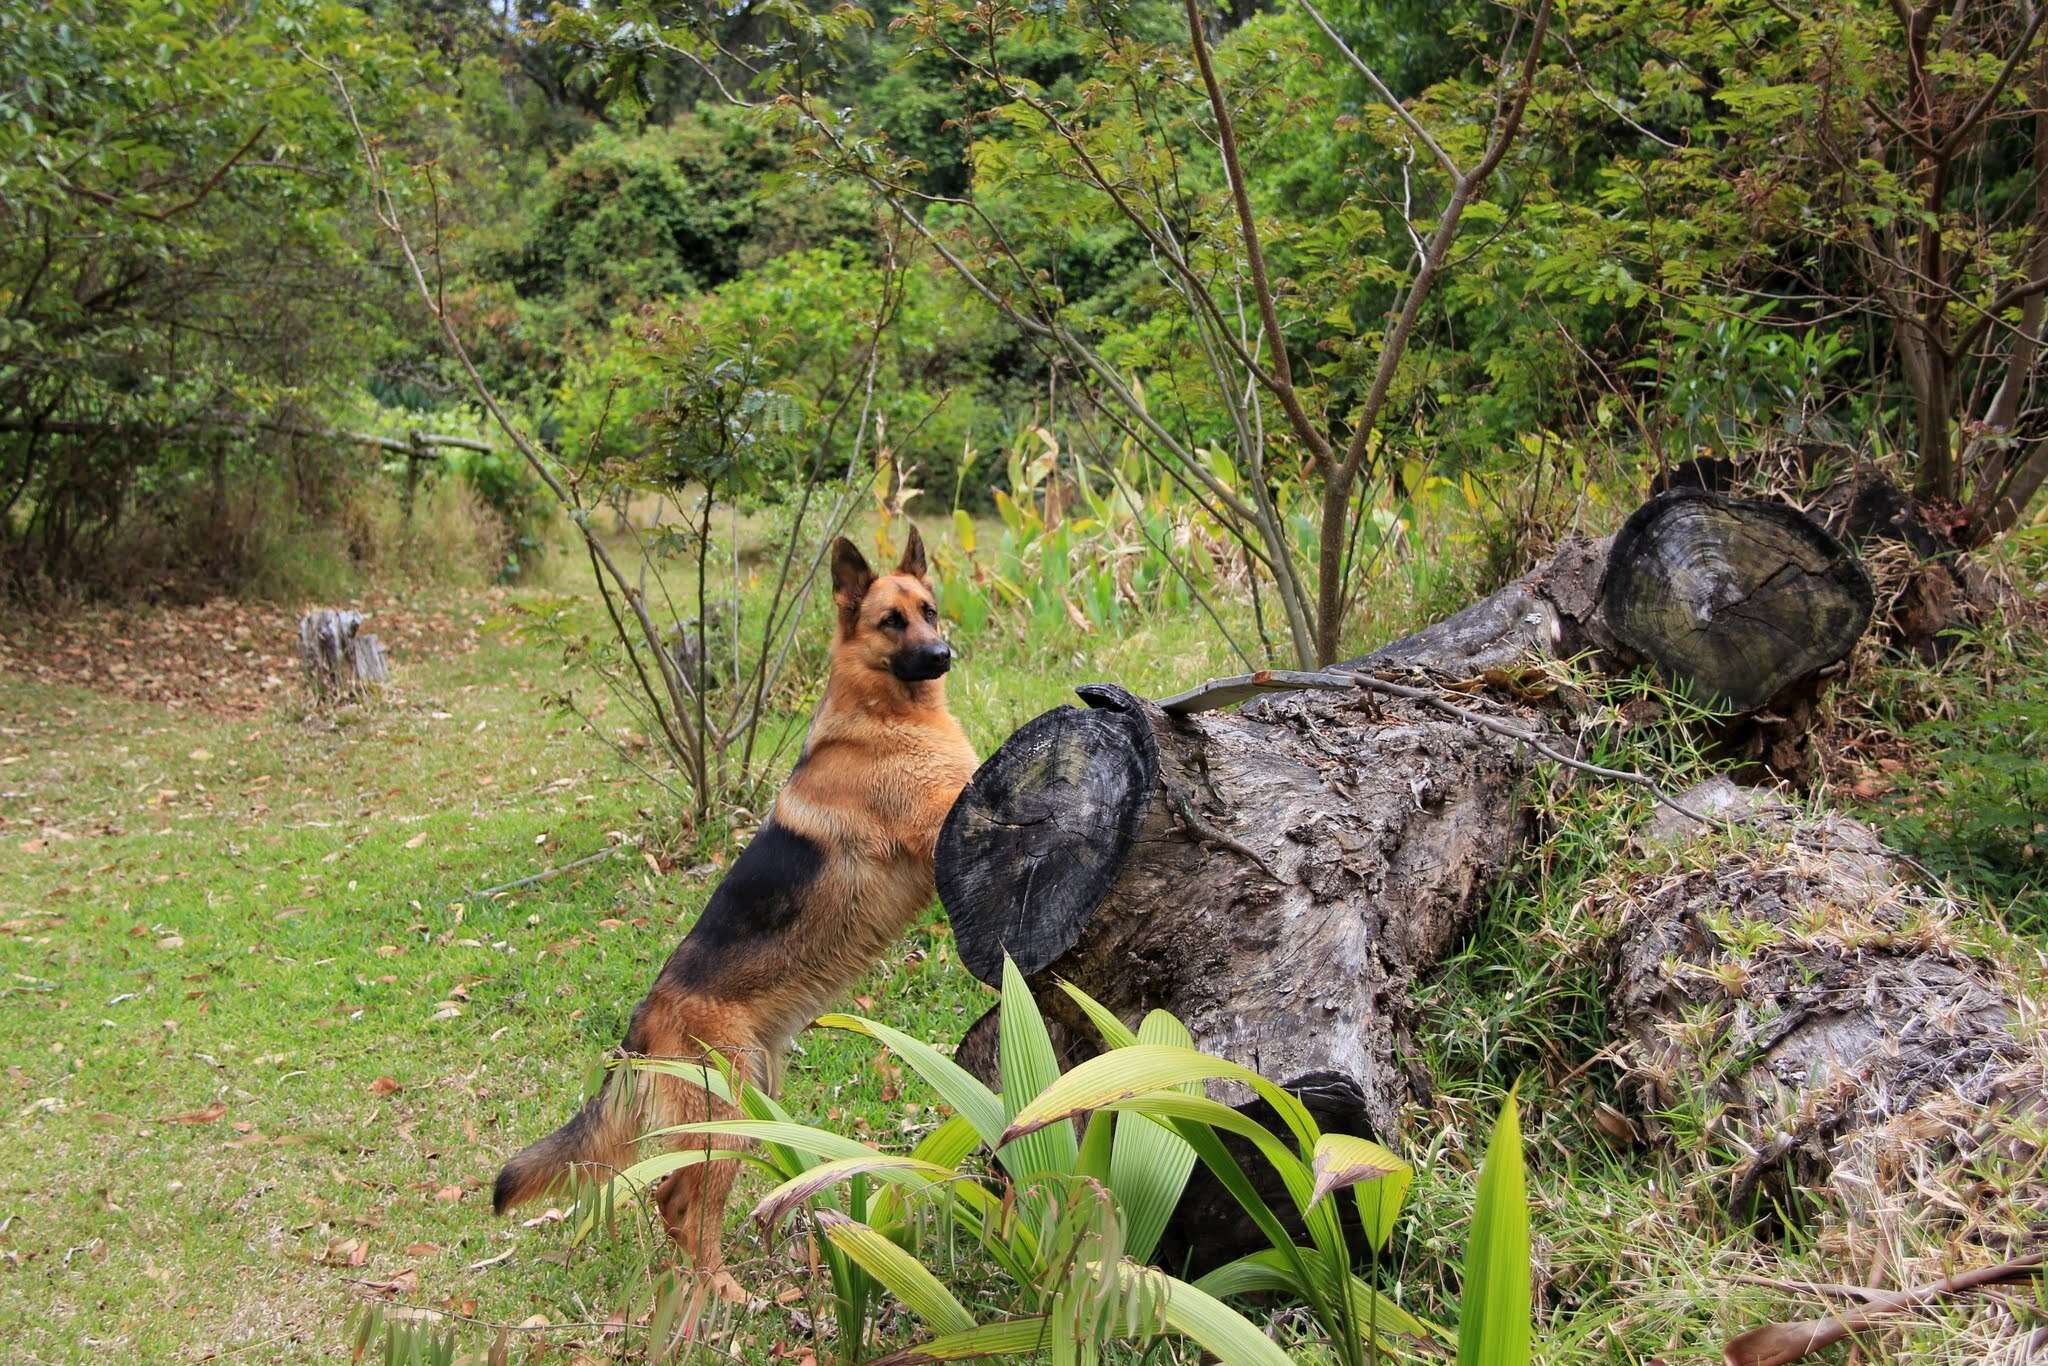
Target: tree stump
(340, 659)
(1277, 877)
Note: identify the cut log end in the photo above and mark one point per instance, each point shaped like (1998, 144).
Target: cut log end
(1037, 838)
(1738, 599)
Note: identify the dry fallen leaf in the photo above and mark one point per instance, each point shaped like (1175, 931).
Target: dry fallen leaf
(417, 840)
(383, 1086)
(406, 1282)
(346, 1252)
(206, 1116)
(491, 1261)
(448, 1195)
(421, 1249)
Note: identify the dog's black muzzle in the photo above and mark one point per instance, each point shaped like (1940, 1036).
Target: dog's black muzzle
(921, 662)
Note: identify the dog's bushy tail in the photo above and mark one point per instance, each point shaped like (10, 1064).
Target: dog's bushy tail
(599, 1137)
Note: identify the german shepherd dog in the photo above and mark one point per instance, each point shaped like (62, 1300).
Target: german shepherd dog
(839, 869)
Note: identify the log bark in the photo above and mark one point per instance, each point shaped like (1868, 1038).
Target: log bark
(1835, 1026)
(1278, 876)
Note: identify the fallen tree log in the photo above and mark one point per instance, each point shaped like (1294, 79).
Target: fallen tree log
(1834, 1028)
(1277, 877)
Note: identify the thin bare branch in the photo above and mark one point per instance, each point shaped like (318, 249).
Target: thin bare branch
(1387, 96)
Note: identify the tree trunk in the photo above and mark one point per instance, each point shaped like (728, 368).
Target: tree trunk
(1156, 856)
(1828, 1021)
(1278, 876)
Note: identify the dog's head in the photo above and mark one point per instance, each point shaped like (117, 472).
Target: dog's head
(888, 623)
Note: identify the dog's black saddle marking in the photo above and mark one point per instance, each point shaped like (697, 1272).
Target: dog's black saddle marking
(761, 897)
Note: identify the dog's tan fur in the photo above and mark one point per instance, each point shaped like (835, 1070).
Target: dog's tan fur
(840, 868)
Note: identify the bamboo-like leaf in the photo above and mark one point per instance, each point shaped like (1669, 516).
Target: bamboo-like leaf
(649, 1170)
(946, 1146)
(705, 1076)
(1379, 1178)
(1493, 1320)
(787, 1161)
(901, 1274)
(1115, 1033)
(1028, 1066)
(1342, 1160)
(1272, 1270)
(893, 1168)
(1149, 1162)
(1092, 1159)
(1118, 1075)
(1143, 1068)
(956, 1086)
(1006, 1337)
(822, 1142)
(1226, 1334)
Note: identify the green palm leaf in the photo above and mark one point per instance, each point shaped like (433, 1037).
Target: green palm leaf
(1493, 1321)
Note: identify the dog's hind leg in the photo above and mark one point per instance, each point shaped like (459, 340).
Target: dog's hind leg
(693, 1207)
(692, 1200)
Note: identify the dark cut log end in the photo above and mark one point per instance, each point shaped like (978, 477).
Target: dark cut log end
(1038, 836)
(1738, 599)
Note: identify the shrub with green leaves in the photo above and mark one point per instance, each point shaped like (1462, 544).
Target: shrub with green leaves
(1089, 1167)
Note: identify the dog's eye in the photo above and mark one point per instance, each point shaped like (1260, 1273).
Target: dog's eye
(892, 620)
(931, 615)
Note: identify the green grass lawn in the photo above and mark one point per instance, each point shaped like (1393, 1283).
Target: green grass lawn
(264, 1049)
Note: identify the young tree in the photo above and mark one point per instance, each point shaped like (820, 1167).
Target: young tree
(1275, 344)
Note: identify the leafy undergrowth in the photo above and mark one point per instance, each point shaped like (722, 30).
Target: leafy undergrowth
(1953, 761)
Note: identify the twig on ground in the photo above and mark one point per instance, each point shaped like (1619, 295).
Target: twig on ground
(551, 872)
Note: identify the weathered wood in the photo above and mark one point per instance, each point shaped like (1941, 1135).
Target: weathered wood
(1277, 877)
(1738, 598)
(1827, 1018)
(340, 659)
(1088, 773)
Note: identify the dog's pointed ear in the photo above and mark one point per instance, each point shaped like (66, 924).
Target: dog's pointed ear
(850, 573)
(912, 562)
